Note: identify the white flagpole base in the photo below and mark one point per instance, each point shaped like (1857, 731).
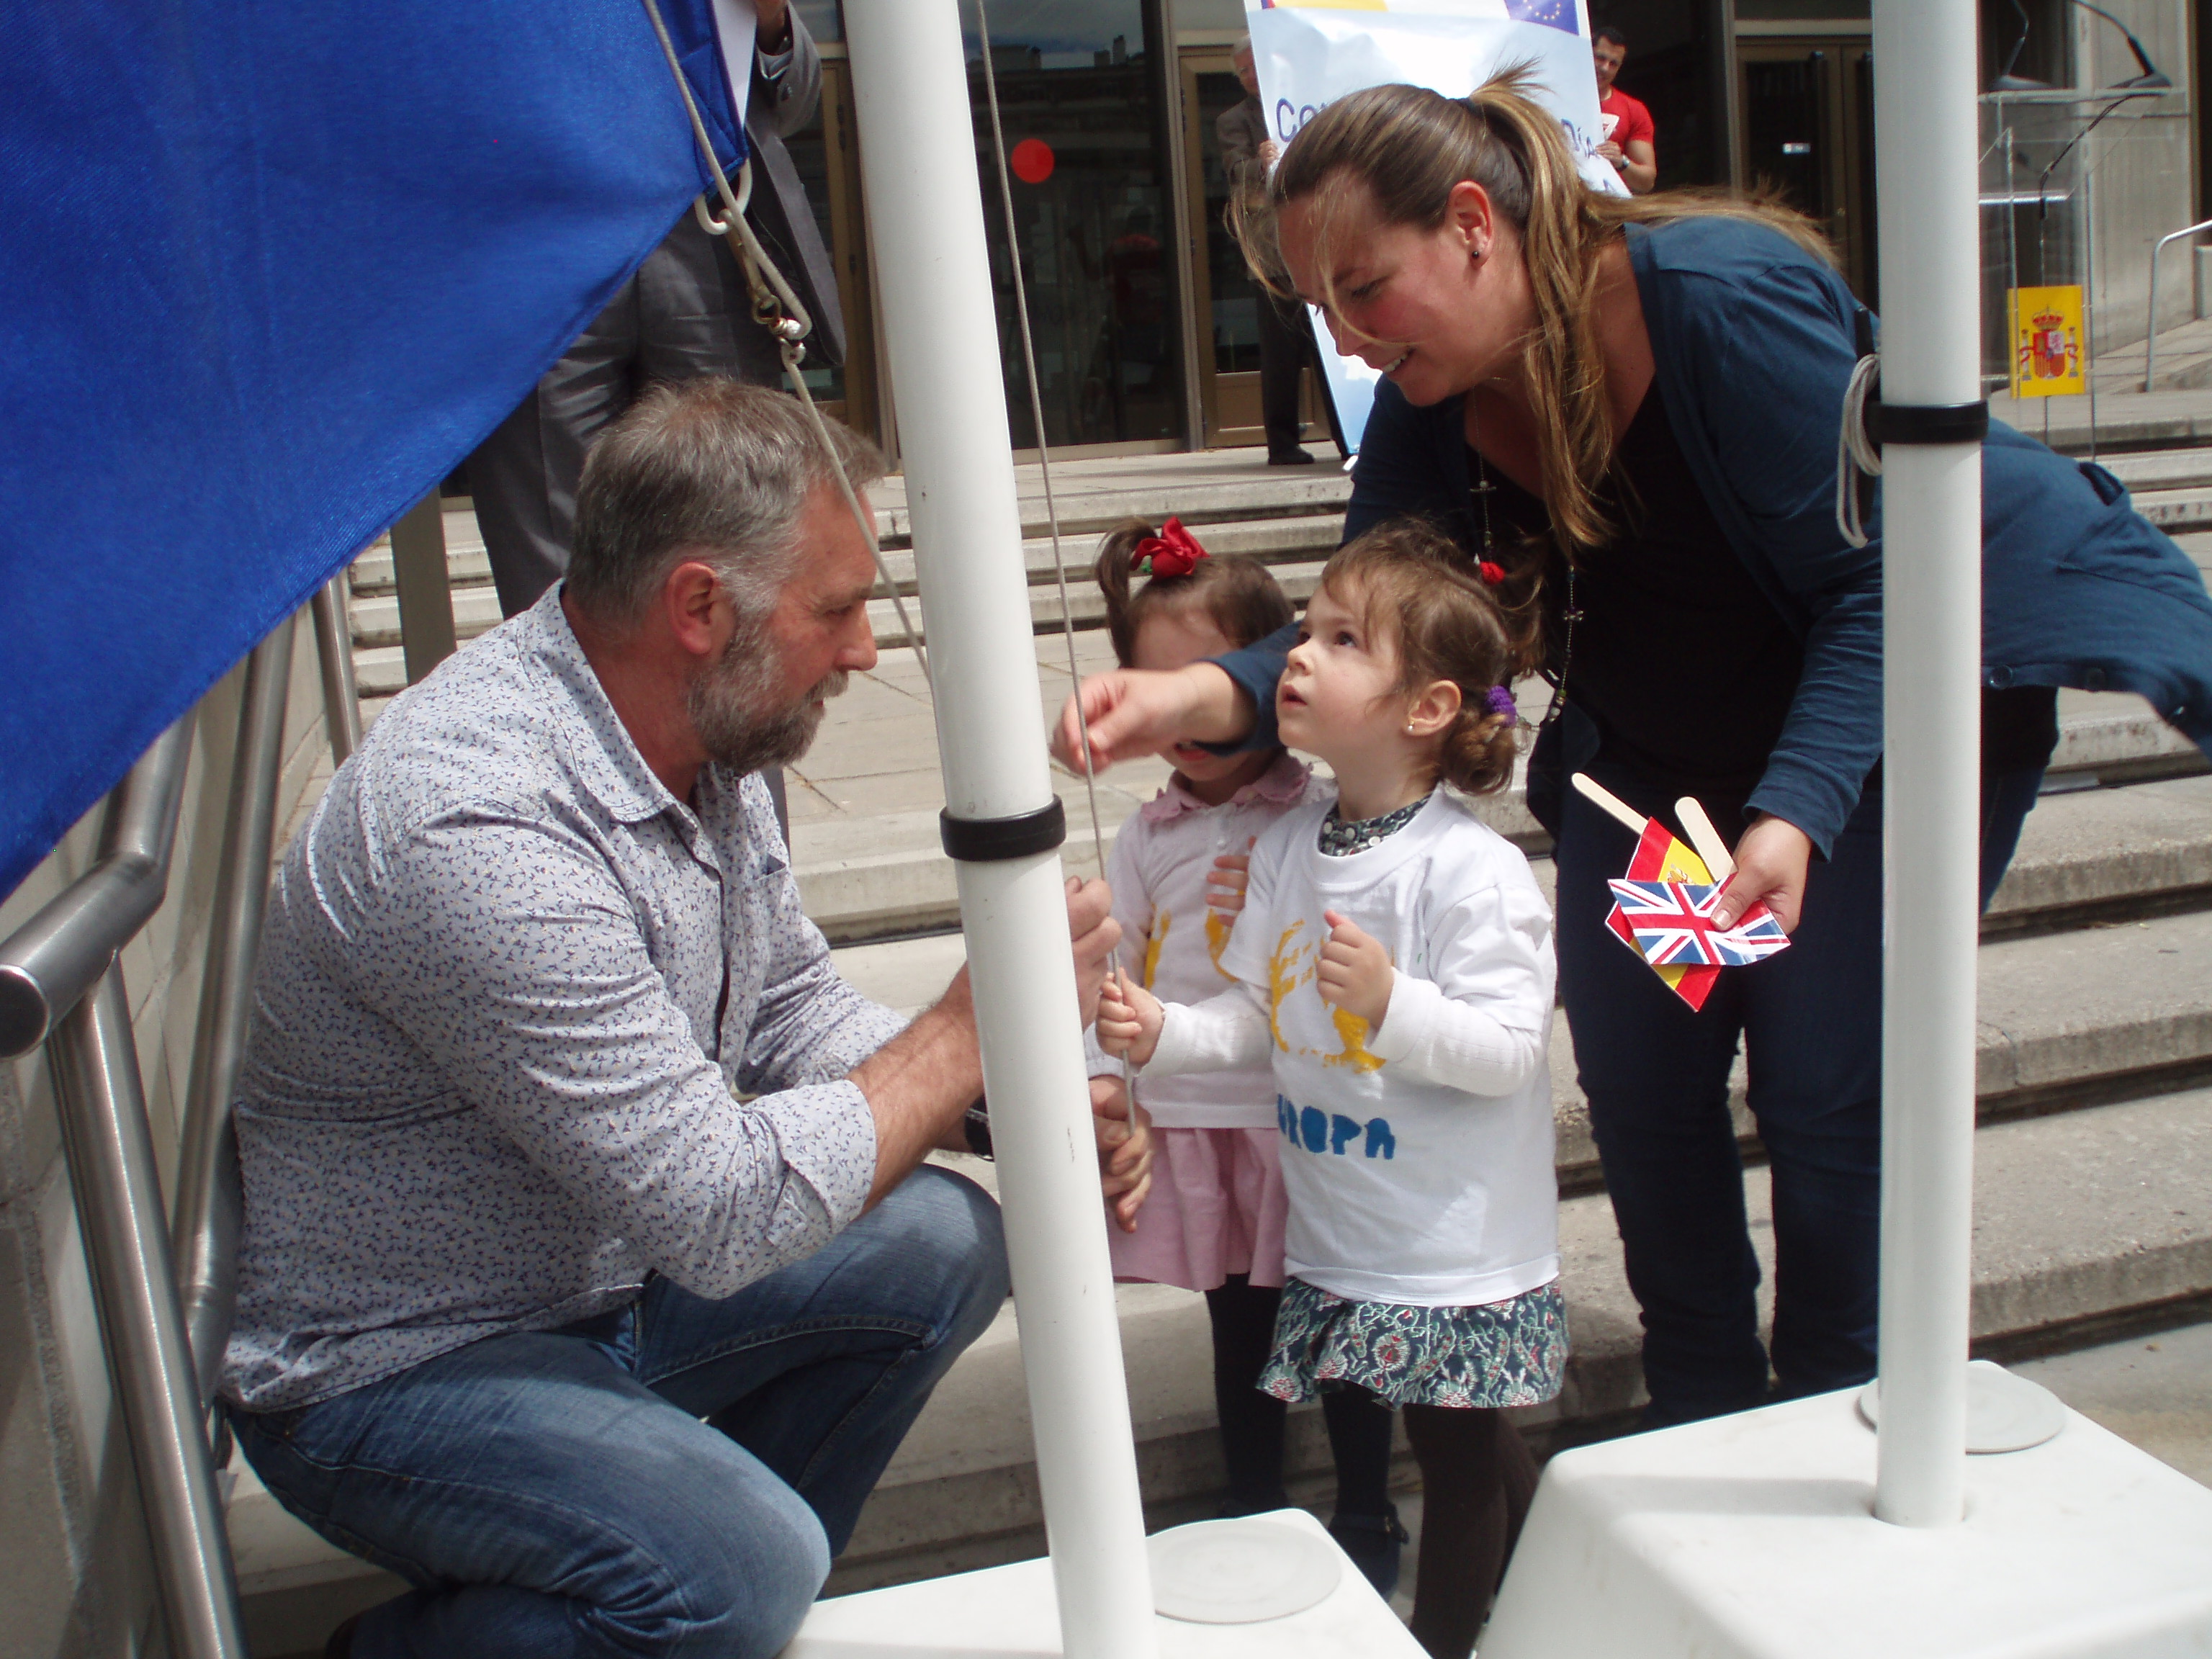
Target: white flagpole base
(1009, 1612)
(1754, 1537)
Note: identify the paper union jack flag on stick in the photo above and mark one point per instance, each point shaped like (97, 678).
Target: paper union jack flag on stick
(1662, 862)
(1672, 924)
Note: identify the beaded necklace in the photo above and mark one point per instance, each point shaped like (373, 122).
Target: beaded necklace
(1481, 490)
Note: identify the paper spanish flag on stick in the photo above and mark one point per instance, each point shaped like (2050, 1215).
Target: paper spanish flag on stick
(1663, 869)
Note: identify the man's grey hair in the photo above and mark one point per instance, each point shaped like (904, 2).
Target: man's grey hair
(709, 469)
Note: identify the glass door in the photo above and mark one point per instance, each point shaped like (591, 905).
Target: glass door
(1227, 299)
(1092, 225)
(1808, 135)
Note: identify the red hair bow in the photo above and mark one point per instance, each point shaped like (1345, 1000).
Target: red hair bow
(1174, 552)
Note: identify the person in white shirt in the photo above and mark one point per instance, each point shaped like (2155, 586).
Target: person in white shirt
(1393, 964)
(1214, 1221)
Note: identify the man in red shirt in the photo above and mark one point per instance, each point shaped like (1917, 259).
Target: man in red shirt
(1628, 130)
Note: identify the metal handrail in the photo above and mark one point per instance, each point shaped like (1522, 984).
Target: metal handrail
(60, 983)
(2150, 333)
(53, 959)
(334, 645)
(110, 1153)
(207, 1214)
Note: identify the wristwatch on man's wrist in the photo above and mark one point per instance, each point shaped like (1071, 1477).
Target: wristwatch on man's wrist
(978, 1126)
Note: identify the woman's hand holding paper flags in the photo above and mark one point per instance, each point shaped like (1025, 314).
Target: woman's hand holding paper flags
(1662, 907)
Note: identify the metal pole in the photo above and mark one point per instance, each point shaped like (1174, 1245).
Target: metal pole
(204, 1229)
(2090, 346)
(919, 159)
(334, 647)
(1924, 126)
(119, 1201)
(425, 590)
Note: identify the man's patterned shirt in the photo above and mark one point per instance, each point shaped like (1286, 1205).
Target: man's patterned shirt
(510, 991)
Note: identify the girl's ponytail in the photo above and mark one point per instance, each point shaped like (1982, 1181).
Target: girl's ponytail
(1235, 592)
(1117, 552)
(1480, 748)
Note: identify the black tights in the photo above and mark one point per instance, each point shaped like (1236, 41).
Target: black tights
(1477, 1479)
(1243, 1318)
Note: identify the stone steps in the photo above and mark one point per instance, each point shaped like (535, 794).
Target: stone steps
(1285, 534)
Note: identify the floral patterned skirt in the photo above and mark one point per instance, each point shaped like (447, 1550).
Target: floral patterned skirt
(1512, 1352)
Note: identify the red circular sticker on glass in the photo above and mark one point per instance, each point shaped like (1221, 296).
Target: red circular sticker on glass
(1032, 160)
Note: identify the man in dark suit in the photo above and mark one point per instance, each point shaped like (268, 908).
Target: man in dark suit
(684, 312)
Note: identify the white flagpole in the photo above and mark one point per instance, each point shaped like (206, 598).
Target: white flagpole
(919, 162)
(1925, 153)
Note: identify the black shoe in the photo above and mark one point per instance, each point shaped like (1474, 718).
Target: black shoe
(1372, 1541)
(1290, 458)
(340, 1646)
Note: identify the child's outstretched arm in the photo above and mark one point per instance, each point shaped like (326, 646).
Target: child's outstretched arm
(1222, 1034)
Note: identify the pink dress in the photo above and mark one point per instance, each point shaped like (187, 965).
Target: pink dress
(1217, 1205)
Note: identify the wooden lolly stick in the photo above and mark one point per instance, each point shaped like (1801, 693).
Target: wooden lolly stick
(1613, 807)
(1706, 839)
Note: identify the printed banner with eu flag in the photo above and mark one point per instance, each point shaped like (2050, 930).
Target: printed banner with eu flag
(271, 269)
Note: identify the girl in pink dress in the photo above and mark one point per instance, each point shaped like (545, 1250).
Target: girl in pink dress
(1214, 1221)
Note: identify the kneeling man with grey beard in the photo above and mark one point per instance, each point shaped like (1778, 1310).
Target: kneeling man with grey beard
(591, 1273)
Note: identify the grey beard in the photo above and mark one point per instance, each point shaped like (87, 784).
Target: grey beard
(725, 703)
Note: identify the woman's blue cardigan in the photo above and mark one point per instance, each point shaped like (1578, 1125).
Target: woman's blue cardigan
(1754, 340)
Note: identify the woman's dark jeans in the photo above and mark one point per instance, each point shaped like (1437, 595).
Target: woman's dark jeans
(1656, 1076)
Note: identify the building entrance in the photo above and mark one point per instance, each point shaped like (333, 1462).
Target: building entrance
(1226, 298)
(1808, 130)
(1094, 227)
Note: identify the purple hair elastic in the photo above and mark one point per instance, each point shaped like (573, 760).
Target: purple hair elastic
(1500, 703)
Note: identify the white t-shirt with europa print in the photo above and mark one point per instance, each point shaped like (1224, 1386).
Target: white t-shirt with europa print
(1419, 1158)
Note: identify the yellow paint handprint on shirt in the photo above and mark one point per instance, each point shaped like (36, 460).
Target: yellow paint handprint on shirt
(1161, 923)
(1283, 978)
(1218, 928)
(1294, 964)
(1351, 1031)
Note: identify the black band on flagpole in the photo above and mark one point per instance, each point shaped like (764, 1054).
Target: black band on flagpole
(1928, 423)
(987, 841)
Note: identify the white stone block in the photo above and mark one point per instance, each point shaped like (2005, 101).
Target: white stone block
(1008, 1612)
(1753, 1537)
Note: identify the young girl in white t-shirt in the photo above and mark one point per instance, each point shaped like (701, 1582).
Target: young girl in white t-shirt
(1393, 961)
(1214, 1221)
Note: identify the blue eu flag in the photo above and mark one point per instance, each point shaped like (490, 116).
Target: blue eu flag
(271, 270)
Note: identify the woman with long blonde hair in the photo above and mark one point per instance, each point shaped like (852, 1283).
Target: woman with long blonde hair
(1625, 411)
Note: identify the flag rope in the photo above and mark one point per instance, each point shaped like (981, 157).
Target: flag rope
(776, 307)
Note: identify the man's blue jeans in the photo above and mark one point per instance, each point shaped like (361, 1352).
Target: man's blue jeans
(1656, 1076)
(673, 1479)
